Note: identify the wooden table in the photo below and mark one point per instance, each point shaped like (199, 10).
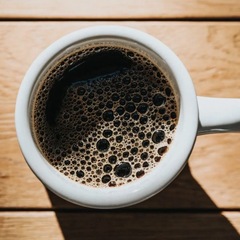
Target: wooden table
(204, 201)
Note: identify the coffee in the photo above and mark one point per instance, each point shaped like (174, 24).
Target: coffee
(104, 114)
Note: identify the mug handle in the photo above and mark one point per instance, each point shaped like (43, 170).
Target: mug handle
(218, 115)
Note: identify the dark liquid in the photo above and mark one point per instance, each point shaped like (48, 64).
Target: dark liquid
(104, 116)
(89, 69)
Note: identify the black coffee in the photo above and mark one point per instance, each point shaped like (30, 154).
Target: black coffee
(104, 115)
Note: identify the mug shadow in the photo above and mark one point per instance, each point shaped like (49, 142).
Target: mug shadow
(181, 211)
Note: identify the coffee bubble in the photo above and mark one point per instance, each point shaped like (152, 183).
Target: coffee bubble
(107, 133)
(123, 170)
(158, 99)
(108, 115)
(158, 136)
(102, 145)
(106, 178)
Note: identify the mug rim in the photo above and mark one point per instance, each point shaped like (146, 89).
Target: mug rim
(131, 193)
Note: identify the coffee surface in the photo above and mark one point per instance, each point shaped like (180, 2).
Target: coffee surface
(104, 115)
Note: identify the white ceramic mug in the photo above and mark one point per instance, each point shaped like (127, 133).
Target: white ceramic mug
(198, 115)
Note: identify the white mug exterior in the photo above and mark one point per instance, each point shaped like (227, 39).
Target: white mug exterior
(142, 188)
(218, 115)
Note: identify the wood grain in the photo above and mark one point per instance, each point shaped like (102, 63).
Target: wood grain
(210, 51)
(119, 225)
(114, 9)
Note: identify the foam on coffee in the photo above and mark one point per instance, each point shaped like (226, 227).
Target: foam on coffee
(104, 115)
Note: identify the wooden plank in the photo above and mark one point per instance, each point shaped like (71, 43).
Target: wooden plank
(119, 225)
(29, 225)
(210, 50)
(114, 9)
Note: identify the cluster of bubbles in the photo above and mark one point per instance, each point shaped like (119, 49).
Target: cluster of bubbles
(111, 130)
